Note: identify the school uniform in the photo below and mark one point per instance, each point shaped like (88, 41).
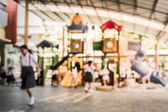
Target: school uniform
(10, 76)
(74, 73)
(54, 75)
(27, 74)
(105, 74)
(88, 77)
(2, 72)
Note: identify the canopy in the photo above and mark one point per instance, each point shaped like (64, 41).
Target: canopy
(44, 44)
(77, 23)
(111, 25)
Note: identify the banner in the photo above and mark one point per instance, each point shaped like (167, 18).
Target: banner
(135, 46)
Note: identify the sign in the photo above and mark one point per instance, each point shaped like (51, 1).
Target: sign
(4, 17)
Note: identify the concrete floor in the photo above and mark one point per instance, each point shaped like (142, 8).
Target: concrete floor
(59, 99)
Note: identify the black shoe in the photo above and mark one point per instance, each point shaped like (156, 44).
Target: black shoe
(86, 91)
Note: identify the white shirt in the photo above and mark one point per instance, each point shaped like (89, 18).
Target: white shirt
(74, 72)
(89, 68)
(104, 72)
(55, 72)
(27, 60)
(9, 73)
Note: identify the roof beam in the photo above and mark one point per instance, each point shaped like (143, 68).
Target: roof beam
(151, 15)
(72, 3)
(44, 3)
(96, 11)
(53, 1)
(135, 6)
(162, 32)
(135, 11)
(78, 2)
(109, 1)
(153, 9)
(104, 4)
(140, 7)
(118, 4)
(69, 7)
(44, 13)
(34, 12)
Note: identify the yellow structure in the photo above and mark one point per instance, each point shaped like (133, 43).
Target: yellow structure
(77, 19)
(2, 34)
(75, 59)
(67, 80)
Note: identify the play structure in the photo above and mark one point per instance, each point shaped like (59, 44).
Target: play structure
(111, 47)
(77, 26)
(143, 70)
(67, 81)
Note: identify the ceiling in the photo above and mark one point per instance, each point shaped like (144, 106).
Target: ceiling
(147, 17)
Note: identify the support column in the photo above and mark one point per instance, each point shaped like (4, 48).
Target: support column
(156, 57)
(26, 22)
(63, 47)
(2, 54)
(118, 64)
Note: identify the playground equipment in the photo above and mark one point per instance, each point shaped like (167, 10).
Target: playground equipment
(143, 70)
(67, 81)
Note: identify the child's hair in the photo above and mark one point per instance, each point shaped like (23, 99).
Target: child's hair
(30, 51)
(78, 66)
(90, 62)
(1, 65)
(102, 67)
(24, 47)
(10, 68)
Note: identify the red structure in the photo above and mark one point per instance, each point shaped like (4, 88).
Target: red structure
(111, 25)
(11, 29)
(156, 57)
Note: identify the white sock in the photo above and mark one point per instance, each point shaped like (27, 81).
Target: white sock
(32, 100)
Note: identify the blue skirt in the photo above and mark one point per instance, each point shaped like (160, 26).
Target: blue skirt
(88, 77)
(28, 78)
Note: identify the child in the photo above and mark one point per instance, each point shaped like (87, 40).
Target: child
(105, 74)
(2, 72)
(88, 77)
(74, 75)
(10, 76)
(27, 73)
(54, 77)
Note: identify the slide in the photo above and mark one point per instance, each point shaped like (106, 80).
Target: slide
(143, 70)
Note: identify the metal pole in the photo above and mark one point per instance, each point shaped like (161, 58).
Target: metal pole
(63, 49)
(42, 77)
(118, 64)
(53, 57)
(156, 57)
(26, 22)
